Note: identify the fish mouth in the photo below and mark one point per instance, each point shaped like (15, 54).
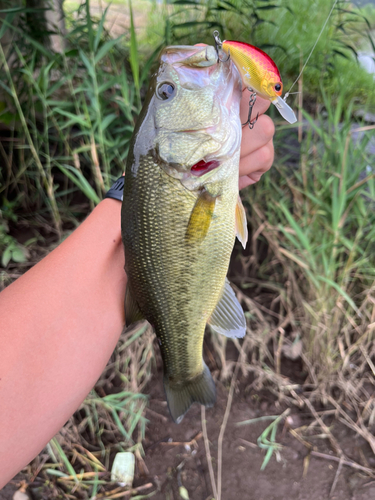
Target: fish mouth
(203, 167)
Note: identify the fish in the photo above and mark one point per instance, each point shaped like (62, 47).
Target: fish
(259, 73)
(181, 213)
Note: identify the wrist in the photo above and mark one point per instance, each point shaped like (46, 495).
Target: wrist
(107, 217)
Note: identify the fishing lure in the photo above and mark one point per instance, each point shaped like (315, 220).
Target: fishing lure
(260, 75)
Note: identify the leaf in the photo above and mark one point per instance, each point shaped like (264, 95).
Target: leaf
(55, 444)
(99, 30)
(268, 7)
(300, 234)
(19, 254)
(337, 287)
(105, 48)
(134, 64)
(87, 63)
(9, 18)
(340, 53)
(107, 121)
(79, 180)
(7, 255)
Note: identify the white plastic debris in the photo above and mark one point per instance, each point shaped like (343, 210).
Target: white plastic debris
(21, 495)
(183, 493)
(123, 469)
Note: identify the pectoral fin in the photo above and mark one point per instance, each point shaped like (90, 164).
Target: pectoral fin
(241, 223)
(132, 311)
(200, 218)
(228, 317)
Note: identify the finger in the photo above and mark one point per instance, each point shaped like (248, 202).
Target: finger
(257, 162)
(258, 137)
(261, 106)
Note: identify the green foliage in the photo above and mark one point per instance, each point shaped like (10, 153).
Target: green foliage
(267, 440)
(10, 249)
(287, 31)
(320, 223)
(73, 113)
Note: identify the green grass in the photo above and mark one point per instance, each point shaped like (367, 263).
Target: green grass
(318, 223)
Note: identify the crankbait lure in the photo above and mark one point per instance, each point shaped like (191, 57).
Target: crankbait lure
(259, 73)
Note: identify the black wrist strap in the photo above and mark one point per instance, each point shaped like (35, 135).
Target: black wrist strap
(116, 191)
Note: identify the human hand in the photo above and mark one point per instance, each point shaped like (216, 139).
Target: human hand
(257, 151)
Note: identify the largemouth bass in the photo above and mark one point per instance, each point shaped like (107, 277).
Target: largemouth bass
(181, 213)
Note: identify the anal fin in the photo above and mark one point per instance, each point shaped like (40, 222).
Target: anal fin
(180, 397)
(200, 218)
(228, 317)
(241, 223)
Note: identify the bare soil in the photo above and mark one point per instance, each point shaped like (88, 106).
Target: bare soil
(171, 465)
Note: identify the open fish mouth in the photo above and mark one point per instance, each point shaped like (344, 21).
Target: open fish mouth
(203, 167)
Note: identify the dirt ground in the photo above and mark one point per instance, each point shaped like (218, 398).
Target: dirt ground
(242, 458)
(171, 465)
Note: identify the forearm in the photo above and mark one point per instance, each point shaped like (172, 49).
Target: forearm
(59, 324)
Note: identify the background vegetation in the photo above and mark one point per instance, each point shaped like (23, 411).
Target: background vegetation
(67, 110)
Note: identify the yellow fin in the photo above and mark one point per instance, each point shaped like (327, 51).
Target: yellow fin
(241, 223)
(200, 218)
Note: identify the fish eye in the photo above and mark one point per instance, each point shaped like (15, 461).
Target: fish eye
(277, 87)
(166, 91)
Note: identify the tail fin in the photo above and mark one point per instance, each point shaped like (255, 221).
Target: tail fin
(180, 397)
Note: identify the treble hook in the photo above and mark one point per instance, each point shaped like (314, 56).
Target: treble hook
(253, 97)
(218, 44)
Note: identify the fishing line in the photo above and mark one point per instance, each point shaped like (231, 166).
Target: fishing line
(312, 50)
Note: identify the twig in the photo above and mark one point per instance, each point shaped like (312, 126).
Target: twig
(368, 359)
(348, 463)
(333, 441)
(222, 429)
(352, 425)
(126, 493)
(208, 454)
(184, 443)
(157, 415)
(248, 443)
(336, 477)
